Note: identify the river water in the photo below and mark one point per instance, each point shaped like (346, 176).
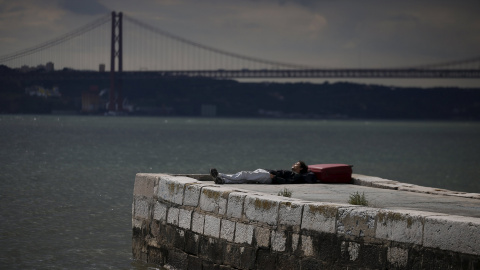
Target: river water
(66, 182)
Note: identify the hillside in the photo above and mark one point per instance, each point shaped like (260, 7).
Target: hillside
(185, 96)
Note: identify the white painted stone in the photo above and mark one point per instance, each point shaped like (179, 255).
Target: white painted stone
(295, 241)
(192, 194)
(290, 214)
(172, 216)
(170, 189)
(144, 184)
(467, 195)
(227, 230)
(136, 223)
(279, 240)
(320, 217)
(388, 185)
(353, 250)
(198, 222)
(184, 219)
(262, 208)
(141, 207)
(401, 225)
(454, 233)
(235, 204)
(243, 233)
(214, 199)
(369, 181)
(160, 211)
(212, 226)
(307, 245)
(262, 236)
(356, 221)
(398, 257)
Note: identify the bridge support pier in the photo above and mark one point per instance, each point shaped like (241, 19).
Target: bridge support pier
(115, 93)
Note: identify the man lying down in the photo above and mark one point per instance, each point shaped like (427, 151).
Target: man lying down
(297, 175)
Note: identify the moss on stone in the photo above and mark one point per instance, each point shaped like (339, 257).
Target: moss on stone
(324, 210)
(263, 204)
(390, 216)
(211, 194)
(171, 187)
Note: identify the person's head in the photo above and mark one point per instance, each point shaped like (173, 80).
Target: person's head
(300, 167)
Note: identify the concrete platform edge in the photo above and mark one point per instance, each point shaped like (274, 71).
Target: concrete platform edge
(256, 221)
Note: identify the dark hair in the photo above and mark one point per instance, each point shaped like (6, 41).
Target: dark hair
(303, 166)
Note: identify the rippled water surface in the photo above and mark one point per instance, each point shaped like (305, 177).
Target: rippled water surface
(66, 182)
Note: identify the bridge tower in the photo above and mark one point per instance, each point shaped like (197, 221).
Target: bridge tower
(115, 103)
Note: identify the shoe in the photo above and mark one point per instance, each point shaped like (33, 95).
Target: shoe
(214, 172)
(216, 179)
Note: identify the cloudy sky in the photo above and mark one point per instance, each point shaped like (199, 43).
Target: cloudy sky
(319, 33)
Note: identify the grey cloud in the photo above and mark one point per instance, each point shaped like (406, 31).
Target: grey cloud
(85, 7)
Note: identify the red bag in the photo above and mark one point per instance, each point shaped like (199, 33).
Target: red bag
(332, 173)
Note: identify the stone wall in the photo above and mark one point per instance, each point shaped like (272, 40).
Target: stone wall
(184, 223)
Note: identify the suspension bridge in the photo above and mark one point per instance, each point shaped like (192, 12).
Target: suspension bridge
(136, 50)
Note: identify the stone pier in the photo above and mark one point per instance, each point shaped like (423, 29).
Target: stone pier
(186, 223)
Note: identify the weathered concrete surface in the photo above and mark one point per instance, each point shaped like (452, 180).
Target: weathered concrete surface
(190, 224)
(413, 198)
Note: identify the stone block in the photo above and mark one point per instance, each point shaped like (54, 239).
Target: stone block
(307, 246)
(157, 255)
(212, 226)
(141, 207)
(279, 240)
(454, 233)
(154, 228)
(295, 243)
(192, 194)
(290, 214)
(397, 257)
(350, 250)
(244, 233)
(173, 237)
(214, 199)
(184, 219)
(401, 226)
(387, 184)
(375, 255)
(320, 217)
(235, 204)
(170, 189)
(227, 230)
(137, 223)
(194, 262)
(139, 248)
(466, 195)
(160, 212)
(265, 260)
(286, 262)
(262, 237)
(240, 257)
(372, 181)
(262, 209)
(191, 242)
(145, 184)
(311, 264)
(356, 222)
(198, 222)
(211, 249)
(172, 216)
(326, 246)
(177, 259)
